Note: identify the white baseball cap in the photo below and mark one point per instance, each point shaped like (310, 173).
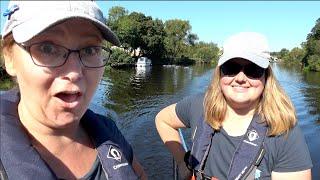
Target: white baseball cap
(247, 45)
(26, 19)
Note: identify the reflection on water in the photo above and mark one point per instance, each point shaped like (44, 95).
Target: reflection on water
(312, 93)
(142, 72)
(137, 95)
(304, 91)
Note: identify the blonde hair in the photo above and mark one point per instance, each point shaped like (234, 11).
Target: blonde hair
(274, 108)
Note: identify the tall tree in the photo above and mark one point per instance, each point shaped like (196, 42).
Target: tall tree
(114, 14)
(130, 29)
(312, 57)
(153, 39)
(177, 32)
(140, 35)
(205, 52)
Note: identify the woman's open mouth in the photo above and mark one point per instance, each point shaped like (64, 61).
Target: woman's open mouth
(69, 99)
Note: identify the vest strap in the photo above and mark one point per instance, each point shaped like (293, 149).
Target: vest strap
(3, 174)
(249, 152)
(247, 156)
(114, 162)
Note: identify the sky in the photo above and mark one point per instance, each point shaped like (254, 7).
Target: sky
(286, 24)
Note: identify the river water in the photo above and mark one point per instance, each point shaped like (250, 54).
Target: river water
(137, 95)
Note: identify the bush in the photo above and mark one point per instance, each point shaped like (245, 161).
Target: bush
(314, 63)
(294, 56)
(119, 58)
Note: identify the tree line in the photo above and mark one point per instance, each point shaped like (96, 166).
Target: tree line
(172, 42)
(308, 55)
(169, 42)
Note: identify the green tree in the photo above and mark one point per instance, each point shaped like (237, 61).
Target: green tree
(176, 39)
(294, 56)
(314, 62)
(315, 31)
(114, 14)
(283, 52)
(205, 52)
(153, 39)
(120, 57)
(139, 34)
(130, 30)
(311, 60)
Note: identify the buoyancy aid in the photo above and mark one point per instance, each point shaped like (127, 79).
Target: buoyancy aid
(19, 160)
(247, 155)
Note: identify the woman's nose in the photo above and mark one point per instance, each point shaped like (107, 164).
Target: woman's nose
(73, 67)
(240, 77)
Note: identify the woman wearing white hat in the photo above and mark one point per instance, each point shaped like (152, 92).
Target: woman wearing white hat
(244, 126)
(55, 52)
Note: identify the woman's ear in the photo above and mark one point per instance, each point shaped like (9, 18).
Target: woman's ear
(9, 61)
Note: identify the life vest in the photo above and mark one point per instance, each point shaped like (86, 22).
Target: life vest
(247, 155)
(19, 160)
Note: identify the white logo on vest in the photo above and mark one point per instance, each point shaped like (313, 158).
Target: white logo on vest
(120, 165)
(113, 153)
(252, 135)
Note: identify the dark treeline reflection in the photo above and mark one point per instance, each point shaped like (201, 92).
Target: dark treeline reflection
(128, 87)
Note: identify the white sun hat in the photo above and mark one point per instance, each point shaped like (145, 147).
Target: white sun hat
(247, 45)
(26, 19)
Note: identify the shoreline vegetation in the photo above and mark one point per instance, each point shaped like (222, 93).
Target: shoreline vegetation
(172, 42)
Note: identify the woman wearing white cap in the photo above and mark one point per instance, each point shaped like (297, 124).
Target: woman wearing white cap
(55, 52)
(244, 126)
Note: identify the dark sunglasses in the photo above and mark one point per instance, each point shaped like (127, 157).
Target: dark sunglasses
(251, 70)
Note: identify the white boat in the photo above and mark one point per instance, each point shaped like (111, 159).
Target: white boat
(143, 62)
(142, 72)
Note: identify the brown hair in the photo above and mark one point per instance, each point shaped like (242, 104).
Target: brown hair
(6, 47)
(275, 107)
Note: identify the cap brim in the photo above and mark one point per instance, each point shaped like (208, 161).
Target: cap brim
(34, 26)
(254, 58)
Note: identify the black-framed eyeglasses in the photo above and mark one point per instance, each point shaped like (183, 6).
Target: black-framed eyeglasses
(251, 70)
(47, 54)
